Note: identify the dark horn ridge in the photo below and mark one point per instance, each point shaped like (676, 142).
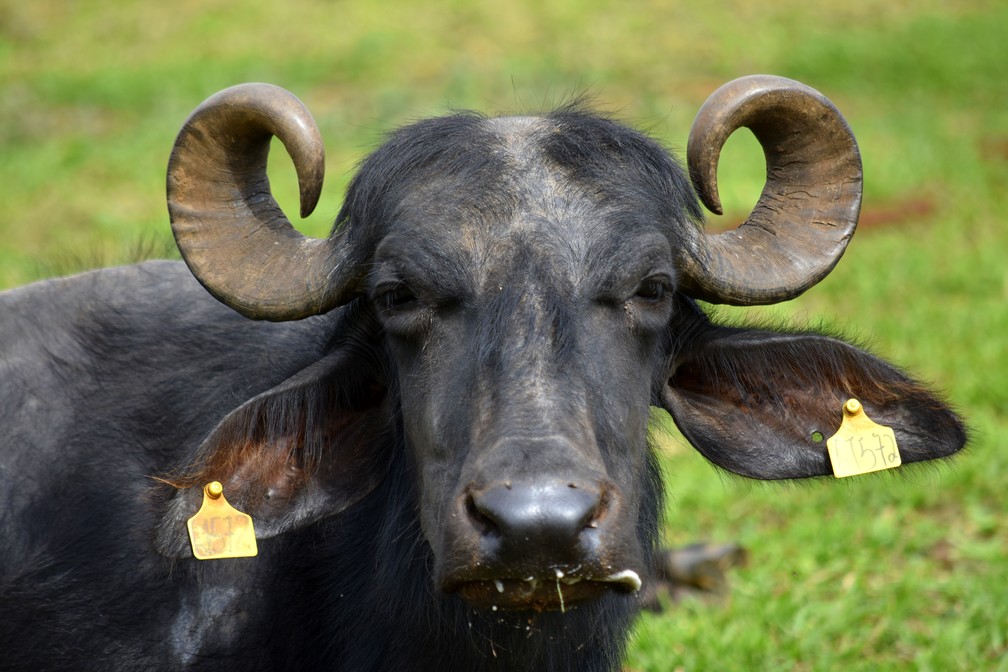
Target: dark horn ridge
(809, 207)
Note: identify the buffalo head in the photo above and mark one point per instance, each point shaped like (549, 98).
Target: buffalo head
(518, 292)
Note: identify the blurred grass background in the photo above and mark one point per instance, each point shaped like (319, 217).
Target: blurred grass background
(905, 571)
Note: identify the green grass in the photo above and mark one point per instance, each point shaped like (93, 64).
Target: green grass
(904, 571)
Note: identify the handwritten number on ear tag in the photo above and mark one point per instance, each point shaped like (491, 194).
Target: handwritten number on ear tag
(218, 530)
(861, 446)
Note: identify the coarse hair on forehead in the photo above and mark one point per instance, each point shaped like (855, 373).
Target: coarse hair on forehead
(458, 146)
(625, 167)
(621, 168)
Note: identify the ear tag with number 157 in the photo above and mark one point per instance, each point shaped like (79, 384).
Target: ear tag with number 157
(861, 446)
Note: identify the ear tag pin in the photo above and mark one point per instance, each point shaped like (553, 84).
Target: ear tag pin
(861, 446)
(218, 530)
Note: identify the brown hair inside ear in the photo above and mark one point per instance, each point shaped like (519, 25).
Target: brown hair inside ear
(283, 480)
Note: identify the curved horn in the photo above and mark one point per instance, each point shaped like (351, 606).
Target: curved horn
(231, 232)
(809, 207)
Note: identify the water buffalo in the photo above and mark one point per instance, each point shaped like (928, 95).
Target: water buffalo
(437, 416)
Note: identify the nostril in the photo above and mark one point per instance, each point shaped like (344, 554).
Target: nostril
(483, 523)
(593, 517)
(588, 516)
(598, 514)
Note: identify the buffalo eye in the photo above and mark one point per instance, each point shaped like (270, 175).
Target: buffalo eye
(652, 289)
(403, 313)
(397, 297)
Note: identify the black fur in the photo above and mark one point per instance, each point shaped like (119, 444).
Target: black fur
(497, 257)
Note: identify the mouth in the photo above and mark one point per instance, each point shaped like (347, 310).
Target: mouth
(557, 593)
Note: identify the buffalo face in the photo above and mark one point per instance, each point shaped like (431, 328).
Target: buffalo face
(527, 319)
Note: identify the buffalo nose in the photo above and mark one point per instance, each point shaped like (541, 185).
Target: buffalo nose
(548, 520)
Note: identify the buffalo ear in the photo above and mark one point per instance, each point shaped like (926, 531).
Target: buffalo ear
(761, 404)
(308, 448)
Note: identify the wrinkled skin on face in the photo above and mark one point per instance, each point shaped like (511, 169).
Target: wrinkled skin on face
(526, 343)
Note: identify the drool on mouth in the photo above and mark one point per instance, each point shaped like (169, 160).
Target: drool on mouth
(556, 593)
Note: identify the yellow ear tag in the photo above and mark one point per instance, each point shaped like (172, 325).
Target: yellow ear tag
(861, 446)
(218, 530)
